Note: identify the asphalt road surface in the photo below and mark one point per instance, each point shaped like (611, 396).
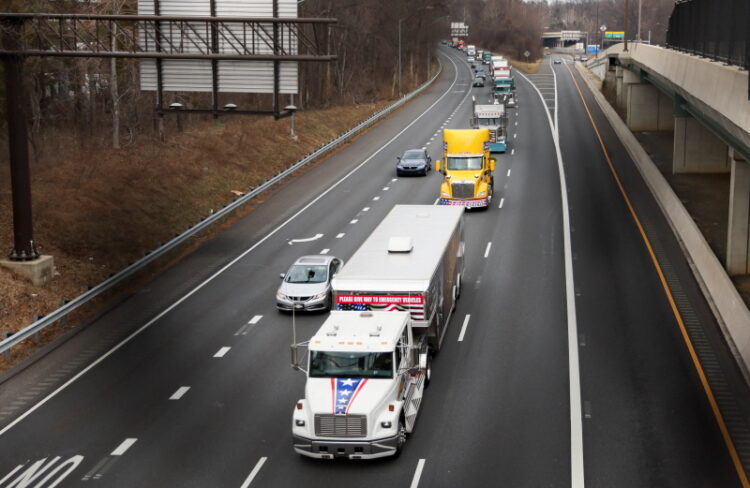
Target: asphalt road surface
(187, 382)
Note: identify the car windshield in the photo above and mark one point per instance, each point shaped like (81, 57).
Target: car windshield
(333, 364)
(488, 122)
(464, 163)
(413, 155)
(303, 273)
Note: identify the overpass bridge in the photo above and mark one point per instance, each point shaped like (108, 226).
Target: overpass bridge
(706, 104)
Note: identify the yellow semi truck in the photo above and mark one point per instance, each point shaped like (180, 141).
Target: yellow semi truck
(467, 168)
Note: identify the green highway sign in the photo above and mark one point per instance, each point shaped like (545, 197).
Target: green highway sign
(614, 35)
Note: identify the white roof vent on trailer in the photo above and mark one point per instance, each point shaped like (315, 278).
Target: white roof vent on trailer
(400, 244)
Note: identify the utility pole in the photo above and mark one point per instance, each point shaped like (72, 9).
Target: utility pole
(638, 35)
(626, 25)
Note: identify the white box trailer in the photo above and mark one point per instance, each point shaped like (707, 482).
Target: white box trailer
(413, 261)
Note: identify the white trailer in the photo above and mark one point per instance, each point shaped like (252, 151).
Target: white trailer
(413, 261)
(366, 373)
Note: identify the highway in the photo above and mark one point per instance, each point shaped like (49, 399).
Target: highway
(187, 382)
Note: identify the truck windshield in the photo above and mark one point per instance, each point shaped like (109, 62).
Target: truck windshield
(489, 122)
(300, 273)
(464, 163)
(331, 364)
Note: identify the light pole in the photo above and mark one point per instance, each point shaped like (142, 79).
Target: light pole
(638, 35)
(626, 25)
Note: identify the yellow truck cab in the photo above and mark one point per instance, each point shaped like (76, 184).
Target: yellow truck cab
(467, 168)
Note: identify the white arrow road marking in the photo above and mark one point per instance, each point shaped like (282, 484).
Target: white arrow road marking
(308, 239)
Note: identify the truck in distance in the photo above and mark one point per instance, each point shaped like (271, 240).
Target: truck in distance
(467, 168)
(492, 117)
(366, 374)
(413, 261)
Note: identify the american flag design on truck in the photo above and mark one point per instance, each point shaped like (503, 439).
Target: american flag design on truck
(404, 303)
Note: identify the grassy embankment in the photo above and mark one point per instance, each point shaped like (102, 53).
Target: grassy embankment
(96, 210)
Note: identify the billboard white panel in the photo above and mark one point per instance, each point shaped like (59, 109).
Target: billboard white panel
(233, 76)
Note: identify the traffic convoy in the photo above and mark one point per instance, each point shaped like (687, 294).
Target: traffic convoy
(391, 303)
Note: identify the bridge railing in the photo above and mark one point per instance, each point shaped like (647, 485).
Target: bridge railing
(718, 30)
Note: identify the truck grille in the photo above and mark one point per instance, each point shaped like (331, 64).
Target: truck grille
(462, 189)
(340, 425)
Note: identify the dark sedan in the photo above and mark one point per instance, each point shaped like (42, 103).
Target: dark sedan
(414, 161)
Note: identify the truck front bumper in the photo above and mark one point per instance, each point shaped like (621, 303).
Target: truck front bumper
(473, 203)
(330, 449)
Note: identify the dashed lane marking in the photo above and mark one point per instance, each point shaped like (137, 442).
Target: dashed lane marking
(324, 251)
(354, 221)
(487, 250)
(222, 352)
(463, 328)
(254, 472)
(179, 393)
(124, 446)
(502, 200)
(417, 474)
(340, 235)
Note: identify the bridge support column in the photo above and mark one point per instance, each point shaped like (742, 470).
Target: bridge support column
(624, 78)
(647, 108)
(696, 149)
(738, 235)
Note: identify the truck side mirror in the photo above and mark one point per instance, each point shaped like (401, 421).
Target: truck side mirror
(295, 359)
(492, 164)
(437, 165)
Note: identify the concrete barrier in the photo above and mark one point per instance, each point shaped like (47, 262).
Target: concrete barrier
(725, 301)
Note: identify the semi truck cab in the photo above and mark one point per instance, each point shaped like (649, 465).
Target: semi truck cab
(467, 168)
(492, 117)
(366, 374)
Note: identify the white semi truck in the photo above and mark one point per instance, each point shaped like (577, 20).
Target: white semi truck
(369, 363)
(413, 261)
(366, 374)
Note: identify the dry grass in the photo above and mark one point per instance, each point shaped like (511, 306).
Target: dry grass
(528, 68)
(96, 210)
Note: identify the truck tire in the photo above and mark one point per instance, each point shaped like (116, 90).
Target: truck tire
(401, 441)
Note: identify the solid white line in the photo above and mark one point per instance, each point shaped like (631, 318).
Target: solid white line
(502, 200)
(324, 251)
(179, 393)
(232, 262)
(487, 251)
(366, 209)
(255, 319)
(576, 423)
(221, 352)
(354, 221)
(508, 173)
(417, 474)
(463, 328)
(339, 236)
(123, 447)
(254, 472)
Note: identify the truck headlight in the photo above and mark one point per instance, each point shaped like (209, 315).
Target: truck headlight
(386, 425)
(481, 194)
(299, 423)
(445, 194)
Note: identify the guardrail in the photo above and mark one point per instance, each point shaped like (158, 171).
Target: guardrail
(66, 309)
(716, 30)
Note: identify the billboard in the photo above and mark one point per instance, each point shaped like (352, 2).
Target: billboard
(459, 29)
(233, 76)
